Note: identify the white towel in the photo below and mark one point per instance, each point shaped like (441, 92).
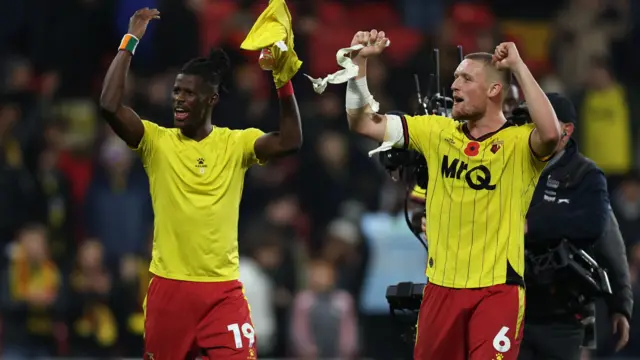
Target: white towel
(349, 71)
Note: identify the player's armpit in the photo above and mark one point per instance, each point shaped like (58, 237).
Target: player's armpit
(286, 141)
(270, 146)
(541, 148)
(126, 124)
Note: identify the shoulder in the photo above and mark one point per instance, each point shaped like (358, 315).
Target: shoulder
(342, 300)
(520, 130)
(430, 120)
(586, 167)
(305, 299)
(237, 135)
(154, 129)
(592, 174)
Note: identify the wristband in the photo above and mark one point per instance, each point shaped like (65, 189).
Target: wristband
(129, 43)
(286, 90)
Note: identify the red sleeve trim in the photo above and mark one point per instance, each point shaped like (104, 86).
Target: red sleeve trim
(405, 132)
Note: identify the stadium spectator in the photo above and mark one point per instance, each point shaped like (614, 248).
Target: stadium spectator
(32, 297)
(323, 320)
(606, 135)
(259, 290)
(92, 324)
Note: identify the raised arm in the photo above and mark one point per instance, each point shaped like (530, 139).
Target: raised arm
(362, 119)
(123, 120)
(288, 139)
(544, 139)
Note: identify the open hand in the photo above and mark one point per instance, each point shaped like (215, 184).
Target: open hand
(621, 328)
(506, 56)
(374, 42)
(140, 20)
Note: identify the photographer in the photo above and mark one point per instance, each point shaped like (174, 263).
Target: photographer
(570, 205)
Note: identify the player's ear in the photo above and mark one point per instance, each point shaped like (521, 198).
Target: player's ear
(213, 99)
(495, 89)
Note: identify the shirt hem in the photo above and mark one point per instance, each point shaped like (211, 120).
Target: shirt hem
(195, 278)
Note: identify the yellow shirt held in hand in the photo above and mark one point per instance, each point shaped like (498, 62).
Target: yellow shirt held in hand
(479, 192)
(196, 189)
(273, 31)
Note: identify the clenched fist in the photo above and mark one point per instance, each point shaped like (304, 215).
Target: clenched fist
(374, 42)
(506, 56)
(139, 21)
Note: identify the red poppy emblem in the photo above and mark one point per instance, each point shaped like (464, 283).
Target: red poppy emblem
(472, 149)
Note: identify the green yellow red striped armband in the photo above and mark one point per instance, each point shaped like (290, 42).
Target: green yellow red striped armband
(129, 43)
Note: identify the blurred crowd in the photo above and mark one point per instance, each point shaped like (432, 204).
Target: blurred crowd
(323, 227)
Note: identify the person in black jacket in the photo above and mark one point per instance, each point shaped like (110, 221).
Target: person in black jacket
(570, 203)
(609, 251)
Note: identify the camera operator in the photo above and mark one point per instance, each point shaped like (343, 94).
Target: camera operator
(610, 251)
(570, 205)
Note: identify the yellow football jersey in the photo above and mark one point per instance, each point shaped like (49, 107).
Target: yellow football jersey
(479, 194)
(196, 187)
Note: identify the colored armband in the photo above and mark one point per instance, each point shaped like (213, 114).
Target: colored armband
(129, 43)
(286, 90)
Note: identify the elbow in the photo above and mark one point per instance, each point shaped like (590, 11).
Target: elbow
(356, 125)
(107, 103)
(106, 106)
(293, 145)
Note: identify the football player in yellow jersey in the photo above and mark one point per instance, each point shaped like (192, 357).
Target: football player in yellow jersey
(481, 175)
(195, 303)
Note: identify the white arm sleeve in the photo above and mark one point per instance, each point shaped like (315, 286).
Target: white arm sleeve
(394, 135)
(394, 132)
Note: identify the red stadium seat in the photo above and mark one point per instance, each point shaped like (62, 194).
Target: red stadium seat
(475, 15)
(404, 43)
(373, 16)
(258, 7)
(211, 19)
(322, 50)
(330, 13)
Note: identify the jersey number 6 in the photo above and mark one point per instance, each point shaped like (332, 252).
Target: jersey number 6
(247, 332)
(501, 342)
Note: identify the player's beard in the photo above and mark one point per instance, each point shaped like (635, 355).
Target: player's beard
(466, 114)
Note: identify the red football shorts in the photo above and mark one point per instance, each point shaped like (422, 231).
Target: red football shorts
(185, 319)
(473, 324)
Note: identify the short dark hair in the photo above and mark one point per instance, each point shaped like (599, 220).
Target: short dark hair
(503, 74)
(211, 69)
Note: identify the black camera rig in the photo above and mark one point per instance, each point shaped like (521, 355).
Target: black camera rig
(404, 303)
